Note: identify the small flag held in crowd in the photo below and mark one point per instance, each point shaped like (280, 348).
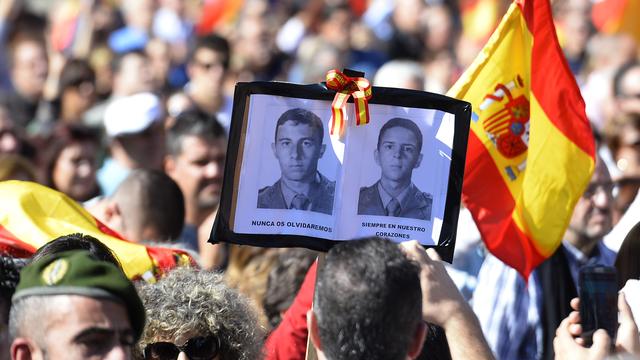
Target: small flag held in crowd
(32, 215)
(479, 18)
(617, 16)
(531, 150)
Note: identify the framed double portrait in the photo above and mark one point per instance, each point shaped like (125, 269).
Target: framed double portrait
(289, 183)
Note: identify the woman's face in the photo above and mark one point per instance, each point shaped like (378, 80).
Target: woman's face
(74, 172)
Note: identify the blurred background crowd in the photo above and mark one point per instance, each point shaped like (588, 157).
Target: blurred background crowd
(63, 62)
(93, 90)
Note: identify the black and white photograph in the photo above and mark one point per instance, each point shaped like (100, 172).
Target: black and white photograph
(288, 178)
(400, 166)
(290, 182)
(398, 152)
(298, 145)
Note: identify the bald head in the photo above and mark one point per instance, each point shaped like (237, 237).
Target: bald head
(151, 206)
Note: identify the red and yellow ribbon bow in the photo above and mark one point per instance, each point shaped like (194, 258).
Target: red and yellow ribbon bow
(346, 86)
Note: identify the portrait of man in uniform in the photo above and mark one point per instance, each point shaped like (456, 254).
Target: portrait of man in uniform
(298, 147)
(398, 152)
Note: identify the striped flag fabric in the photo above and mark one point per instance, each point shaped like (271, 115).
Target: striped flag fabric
(479, 18)
(617, 16)
(32, 215)
(531, 151)
(214, 13)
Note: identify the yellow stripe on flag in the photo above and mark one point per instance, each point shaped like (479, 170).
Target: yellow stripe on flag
(505, 42)
(480, 19)
(630, 23)
(544, 185)
(36, 215)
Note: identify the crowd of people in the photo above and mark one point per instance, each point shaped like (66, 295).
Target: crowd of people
(125, 107)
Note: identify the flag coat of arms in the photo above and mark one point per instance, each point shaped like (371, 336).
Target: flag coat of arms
(531, 150)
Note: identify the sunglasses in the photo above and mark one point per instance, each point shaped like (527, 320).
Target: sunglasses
(607, 187)
(199, 348)
(208, 65)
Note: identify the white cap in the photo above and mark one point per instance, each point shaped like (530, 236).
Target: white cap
(132, 114)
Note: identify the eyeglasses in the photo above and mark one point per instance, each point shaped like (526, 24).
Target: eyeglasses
(198, 348)
(608, 188)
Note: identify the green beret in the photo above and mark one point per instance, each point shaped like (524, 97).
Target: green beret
(77, 272)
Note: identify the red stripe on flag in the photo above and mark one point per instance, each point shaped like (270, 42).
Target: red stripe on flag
(562, 103)
(498, 117)
(483, 183)
(13, 246)
(514, 248)
(107, 230)
(468, 5)
(496, 127)
(492, 207)
(608, 14)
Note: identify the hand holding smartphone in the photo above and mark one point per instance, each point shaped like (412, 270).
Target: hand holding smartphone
(598, 301)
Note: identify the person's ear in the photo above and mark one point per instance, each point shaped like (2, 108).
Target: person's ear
(113, 218)
(273, 148)
(312, 325)
(169, 164)
(191, 69)
(23, 349)
(323, 147)
(111, 211)
(415, 347)
(376, 156)
(417, 165)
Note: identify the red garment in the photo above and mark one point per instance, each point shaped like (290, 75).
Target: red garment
(289, 340)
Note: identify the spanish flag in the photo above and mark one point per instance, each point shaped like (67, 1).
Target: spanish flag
(531, 152)
(32, 215)
(214, 13)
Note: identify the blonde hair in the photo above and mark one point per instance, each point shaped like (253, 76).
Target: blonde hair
(248, 272)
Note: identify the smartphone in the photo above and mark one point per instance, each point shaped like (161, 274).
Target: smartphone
(598, 301)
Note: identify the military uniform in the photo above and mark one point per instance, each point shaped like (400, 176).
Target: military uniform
(415, 204)
(320, 196)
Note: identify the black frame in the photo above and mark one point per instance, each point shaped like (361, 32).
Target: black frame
(221, 231)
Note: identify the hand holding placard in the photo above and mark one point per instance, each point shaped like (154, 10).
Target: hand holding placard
(443, 305)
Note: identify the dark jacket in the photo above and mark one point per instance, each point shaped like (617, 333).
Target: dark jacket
(416, 205)
(321, 196)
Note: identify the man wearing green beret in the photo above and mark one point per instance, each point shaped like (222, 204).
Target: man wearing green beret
(72, 306)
